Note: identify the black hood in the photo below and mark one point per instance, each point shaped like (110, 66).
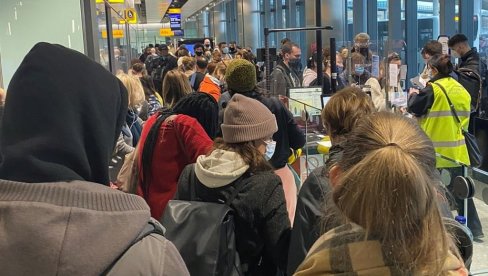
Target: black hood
(62, 116)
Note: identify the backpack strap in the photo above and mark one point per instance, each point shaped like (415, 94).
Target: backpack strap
(237, 187)
(453, 110)
(152, 227)
(193, 79)
(187, 191)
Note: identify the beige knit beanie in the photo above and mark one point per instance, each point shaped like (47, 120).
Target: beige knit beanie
(246, 119)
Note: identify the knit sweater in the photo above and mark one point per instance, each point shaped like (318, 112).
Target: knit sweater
(262, 224)
(78, 228)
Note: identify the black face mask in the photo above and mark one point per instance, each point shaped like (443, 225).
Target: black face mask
(232, 49)
(207, 46)
(199, 53)
(294, 63)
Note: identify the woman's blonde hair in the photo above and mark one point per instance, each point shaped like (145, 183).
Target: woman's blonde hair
(219, 71)
(134, 89)
(342, 112)
(387, 187)
(187, 64)
(175, 86)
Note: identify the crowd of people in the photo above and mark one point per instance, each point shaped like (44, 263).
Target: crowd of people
(377, 207)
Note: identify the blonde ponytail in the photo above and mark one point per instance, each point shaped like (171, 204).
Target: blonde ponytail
(387, 187)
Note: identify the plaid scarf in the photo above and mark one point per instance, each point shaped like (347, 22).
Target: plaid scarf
(344, 250)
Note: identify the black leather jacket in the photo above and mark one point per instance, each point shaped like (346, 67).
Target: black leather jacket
(471, 60)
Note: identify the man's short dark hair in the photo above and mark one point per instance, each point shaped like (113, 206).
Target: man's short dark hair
(457, 38)
(222, 43)
(432, 47)
(285, 40)
(197, 45)
(202, 63)
(288, 47)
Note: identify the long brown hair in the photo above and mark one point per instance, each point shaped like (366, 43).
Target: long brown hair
(175, 86)
(387, 187)
(248, 152)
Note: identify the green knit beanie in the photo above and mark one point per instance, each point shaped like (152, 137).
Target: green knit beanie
(240, 76)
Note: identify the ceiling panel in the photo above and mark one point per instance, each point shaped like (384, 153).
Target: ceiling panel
(155, 9)
(193, 6)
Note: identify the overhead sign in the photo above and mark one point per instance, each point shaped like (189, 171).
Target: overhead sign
(174, 10)
(179, 33)
(175, 21)
(111, 1)
(115, 33)
(166, 32)
(131, 16)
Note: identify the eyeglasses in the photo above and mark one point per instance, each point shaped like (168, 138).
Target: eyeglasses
(361, 44)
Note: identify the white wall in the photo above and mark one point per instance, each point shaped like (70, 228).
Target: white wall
(23, 23)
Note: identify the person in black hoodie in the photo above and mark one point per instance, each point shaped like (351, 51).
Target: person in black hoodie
(241, 78)
(59, 217)
(262, 227)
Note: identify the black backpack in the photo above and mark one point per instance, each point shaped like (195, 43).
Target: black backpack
(472, 82)
(203, 232)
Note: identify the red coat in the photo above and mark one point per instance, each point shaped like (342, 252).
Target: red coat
(180, 141)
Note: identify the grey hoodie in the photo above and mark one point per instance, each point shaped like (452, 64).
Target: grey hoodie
(78, 228)
(220, 168)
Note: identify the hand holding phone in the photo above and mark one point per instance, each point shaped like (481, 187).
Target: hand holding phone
(413, 90)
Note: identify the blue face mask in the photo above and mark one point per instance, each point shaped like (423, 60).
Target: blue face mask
(270, 149)
(359, 70)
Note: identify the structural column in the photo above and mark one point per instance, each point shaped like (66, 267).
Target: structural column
(90, 29)
(219, 23)
(291, 19)
(372, 18)
(466, 20)
(359, 15)
(395, 20)
(411, 34)
(446, 15)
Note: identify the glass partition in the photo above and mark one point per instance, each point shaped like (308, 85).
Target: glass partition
(127, 38)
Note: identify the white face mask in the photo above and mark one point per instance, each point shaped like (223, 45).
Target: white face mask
(455, 54)
(270, 149)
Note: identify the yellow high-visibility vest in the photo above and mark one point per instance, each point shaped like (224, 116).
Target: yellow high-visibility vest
(441, 126)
